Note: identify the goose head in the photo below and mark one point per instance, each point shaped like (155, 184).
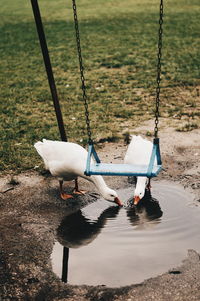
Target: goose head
(106, 192)
(140, 189)
(111, 196)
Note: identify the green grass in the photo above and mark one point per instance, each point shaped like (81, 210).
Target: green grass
(119, 45)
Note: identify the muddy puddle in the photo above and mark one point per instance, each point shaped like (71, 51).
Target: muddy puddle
(106, 245)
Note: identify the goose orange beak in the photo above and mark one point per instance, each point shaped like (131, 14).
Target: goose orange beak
(136, 200)
(118, 202)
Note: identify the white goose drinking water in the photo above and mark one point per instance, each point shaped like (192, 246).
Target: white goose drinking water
(67, 162)
(139, 152)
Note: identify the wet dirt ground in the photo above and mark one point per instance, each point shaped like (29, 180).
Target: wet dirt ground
(31, 211)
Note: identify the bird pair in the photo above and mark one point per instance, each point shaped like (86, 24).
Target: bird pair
(67, 162)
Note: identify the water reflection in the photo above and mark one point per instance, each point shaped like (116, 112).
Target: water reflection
(77, 230)
(65, 264)
(121, 246)
(148, 209)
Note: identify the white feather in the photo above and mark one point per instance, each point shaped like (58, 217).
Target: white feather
(139, 152)
(67, 161)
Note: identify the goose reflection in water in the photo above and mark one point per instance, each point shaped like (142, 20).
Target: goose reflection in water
(146, 214)
(76, 230)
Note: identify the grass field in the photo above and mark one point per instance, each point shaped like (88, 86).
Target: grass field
(119, 45)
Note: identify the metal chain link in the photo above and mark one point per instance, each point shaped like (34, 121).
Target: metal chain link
(85, 99)
(83, 86)
(160, 32)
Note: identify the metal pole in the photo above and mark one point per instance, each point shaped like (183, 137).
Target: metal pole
(47, 62)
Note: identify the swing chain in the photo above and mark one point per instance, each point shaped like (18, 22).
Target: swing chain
(82, 72)
(160, 32)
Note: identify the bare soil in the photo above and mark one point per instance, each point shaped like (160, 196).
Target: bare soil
(31, 211)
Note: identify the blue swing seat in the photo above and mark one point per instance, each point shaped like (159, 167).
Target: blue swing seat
(109, 169)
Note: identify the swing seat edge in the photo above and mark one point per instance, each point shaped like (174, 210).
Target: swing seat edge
(107, 169)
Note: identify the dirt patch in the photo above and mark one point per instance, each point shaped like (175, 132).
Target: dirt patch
(31, 211)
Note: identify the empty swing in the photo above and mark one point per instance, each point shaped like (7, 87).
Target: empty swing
(96, 167)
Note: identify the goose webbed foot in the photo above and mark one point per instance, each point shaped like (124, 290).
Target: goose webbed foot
(63, 194)
(82, 192)
(77, 191)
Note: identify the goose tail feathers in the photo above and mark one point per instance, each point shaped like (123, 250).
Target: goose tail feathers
(39, 146)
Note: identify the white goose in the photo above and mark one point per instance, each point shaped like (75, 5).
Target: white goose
(139, 152)
(67, 161)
